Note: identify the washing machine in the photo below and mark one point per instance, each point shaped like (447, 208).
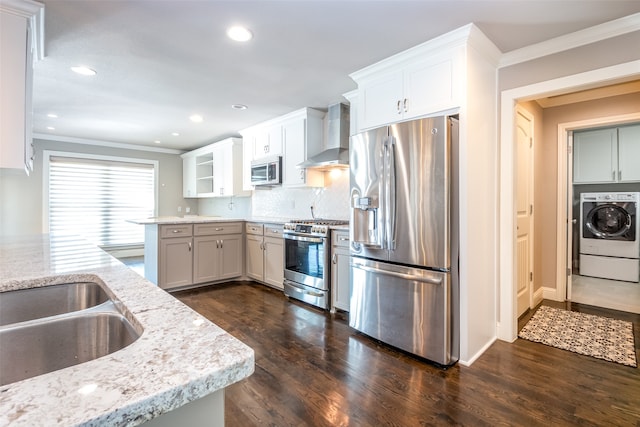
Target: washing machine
(610, 236)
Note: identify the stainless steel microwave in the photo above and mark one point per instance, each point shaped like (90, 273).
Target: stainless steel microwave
(266, 171)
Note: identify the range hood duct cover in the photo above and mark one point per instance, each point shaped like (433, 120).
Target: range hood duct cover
(337, 152)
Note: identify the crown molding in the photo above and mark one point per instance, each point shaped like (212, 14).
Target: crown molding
(607, 30)
(95, 142)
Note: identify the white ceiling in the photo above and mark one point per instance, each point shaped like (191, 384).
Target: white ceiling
(159, 61)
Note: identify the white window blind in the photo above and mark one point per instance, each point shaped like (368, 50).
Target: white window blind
(95, 198)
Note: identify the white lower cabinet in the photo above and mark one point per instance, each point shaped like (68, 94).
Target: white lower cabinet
(340, 275)
(265, 253)
(192, 254)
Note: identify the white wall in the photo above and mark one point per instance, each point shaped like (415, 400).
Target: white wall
(330, 201)
(21, 196)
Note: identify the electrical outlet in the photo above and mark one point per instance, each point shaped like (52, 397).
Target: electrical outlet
(187, 209)
(179, 209)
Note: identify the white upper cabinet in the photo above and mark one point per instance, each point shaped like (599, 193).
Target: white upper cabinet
(215, 170)
(629, 153)
(268, 141)
(294, 136)
(595, 156)
(409, 85)
(607, 155)
(189, 175)
(19, 38)
(302, 138)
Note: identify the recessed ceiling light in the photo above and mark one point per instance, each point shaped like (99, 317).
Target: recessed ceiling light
(175, 134)
(51, 128)
(239, 34)
(156, 141)
(196, 118)
(85, 71)
(239, 107)
(52, 116)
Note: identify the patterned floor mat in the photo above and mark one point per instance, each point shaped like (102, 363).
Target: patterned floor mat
(594, 336)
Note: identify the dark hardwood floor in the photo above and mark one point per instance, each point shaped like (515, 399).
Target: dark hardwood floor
(312, 369)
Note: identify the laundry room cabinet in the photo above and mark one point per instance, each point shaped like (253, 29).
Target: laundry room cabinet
(607, 155)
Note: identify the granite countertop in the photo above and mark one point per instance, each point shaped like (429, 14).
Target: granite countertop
(180, 356)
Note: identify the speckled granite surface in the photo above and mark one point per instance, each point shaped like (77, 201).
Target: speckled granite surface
(179, 357)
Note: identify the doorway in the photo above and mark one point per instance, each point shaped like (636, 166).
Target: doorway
(584, 288)
(507, 326)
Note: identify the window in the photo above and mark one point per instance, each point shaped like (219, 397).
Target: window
(94, 197)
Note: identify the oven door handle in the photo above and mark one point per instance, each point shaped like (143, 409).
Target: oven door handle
(304, 238)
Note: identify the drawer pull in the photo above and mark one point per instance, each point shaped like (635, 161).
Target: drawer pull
(219, 228)
(176, 231)
(343, 239)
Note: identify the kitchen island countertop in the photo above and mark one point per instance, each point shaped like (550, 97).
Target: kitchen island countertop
(179, 358)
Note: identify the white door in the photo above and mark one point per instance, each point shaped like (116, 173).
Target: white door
(572, 223)
(524, 209)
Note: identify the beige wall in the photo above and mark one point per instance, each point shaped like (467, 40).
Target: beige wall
(21, 196)
(546, 171)
(617, 50)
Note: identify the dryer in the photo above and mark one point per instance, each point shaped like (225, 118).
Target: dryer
(610, 236)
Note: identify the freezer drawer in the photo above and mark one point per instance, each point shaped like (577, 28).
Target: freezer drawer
(408, 308)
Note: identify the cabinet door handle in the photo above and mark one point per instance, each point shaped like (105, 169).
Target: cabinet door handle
(398, 107)
(405, 105)
(302, 174)
(613, 175)
(222, 191)
(619, 175)
(221, 243)
(189, 246)
(334, 258)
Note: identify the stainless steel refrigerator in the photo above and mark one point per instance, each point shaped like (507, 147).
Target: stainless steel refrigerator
(404, 251)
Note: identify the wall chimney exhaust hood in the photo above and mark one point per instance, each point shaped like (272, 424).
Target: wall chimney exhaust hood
(336, 153)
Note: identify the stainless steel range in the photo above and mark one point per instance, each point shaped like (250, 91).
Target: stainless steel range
(306, 260)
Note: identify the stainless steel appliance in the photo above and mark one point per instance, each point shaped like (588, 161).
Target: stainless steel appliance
(306, 259)
(404, 252)
(267, 171)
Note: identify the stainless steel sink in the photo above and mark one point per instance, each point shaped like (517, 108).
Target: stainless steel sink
(35, 303)
(45, 342)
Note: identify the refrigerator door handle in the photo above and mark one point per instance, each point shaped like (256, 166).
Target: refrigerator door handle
(396, 274)
(391, 195)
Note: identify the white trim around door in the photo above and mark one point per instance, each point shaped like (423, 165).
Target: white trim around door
(564, 182)
(507, 327)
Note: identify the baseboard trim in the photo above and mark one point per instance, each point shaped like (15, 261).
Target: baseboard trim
(550, 293)
(538, 296)
(478, 354)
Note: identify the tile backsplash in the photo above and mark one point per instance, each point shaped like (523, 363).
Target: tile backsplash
(331, 201)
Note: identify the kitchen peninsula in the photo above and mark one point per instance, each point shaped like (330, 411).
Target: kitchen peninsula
(180, 361)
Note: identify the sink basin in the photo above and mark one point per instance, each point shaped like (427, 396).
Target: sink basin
(27, 304)
(53, 327)
(29, 349)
